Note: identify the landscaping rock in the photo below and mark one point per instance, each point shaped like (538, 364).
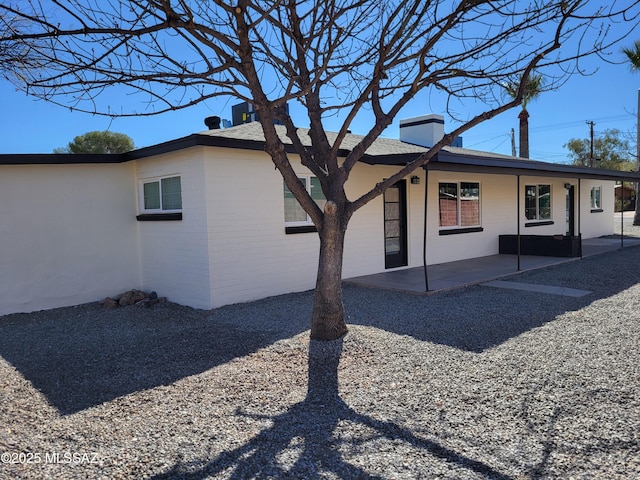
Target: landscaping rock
(110, 303)
(125, 299)
(132, 297)
(137, 296)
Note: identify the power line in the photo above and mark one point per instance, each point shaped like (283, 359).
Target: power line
(576, 123)
(500, 139)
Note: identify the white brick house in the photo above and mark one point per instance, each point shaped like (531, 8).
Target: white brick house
(202, 219)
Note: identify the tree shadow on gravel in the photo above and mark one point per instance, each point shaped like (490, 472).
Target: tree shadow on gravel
(303, 442)
(477, 318)
(84, 356)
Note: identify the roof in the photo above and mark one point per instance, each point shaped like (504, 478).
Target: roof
(383, 151)
(381, 146)
(463, 160)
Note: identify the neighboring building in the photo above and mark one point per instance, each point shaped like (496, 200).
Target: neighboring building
(206, 220)
(625, 197)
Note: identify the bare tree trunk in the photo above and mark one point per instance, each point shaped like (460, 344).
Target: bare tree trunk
(327, 318)
(524, 133)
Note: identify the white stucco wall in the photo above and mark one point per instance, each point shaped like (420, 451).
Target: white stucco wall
(590, 224)
(174, 255)
(68, 235)
(594, 223)
(364, 243)
(558, 206)
(250, 256)
(498, 216)
(499, 213)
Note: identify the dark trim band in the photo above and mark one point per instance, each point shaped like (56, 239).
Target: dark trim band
(539, 224)
(301, 229)
(456, 231)
(159, 217)
(422, 122)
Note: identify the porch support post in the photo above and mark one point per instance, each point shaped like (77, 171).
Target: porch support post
(518, 220)
(622, 208)
(424, 231)
(579, 214)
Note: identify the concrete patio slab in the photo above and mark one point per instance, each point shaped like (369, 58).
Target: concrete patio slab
(472, 271)
(530, 287)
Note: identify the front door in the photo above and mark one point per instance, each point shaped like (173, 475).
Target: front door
(395, 225)
(571, 202)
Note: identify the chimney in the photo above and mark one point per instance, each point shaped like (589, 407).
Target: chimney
(213, 123)
(425, 131)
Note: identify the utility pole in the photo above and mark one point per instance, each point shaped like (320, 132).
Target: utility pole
(513, 143)
(591, 125)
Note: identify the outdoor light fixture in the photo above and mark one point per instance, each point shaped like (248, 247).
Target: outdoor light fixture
(415, 180)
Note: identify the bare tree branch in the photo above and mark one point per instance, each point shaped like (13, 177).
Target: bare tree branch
(346, 58)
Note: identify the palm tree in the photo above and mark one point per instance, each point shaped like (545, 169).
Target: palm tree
(633, 54)
(533, 88)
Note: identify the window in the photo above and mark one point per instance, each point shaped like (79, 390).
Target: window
(161, 195)
(294, 214)
(596, 198)
(537, 202)
(459, 204)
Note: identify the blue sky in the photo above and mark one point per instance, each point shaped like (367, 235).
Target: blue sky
(608, 98)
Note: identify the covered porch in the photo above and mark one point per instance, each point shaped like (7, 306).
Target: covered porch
(471, 271)
(580, 198)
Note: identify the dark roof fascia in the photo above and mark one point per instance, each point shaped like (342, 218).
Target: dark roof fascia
(397, 159)
(60, 158)
(452, 162)
(194, 140)
(153, 150)
(208, 141)
(443, 161)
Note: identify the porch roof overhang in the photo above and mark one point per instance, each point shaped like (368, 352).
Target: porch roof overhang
(453, 159)
(447, 160)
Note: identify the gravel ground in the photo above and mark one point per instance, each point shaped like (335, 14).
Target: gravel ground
(474, 383)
